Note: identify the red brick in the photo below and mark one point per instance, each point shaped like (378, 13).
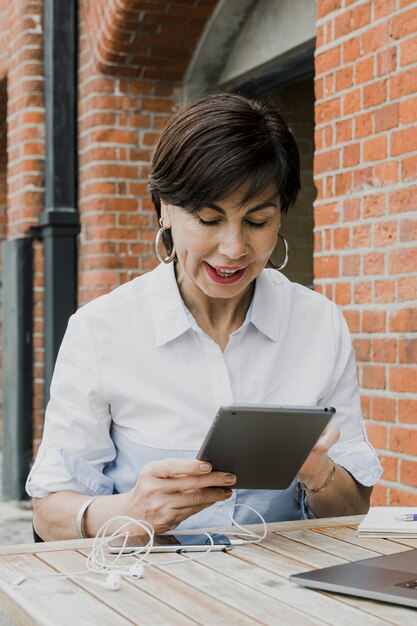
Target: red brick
(403, 141)
(362, 348)
(344, 78)
(385, 173)
(364, 70)
(374, 205)
(326, 161)
(408, 230)
(403, 440)
(351, 102)
(328, 111)
(352, 320)
(408, 110)
(403, 261)
(375, 149)
(383, 8)
(342, 294)
(351, 264)
(407, 288)
(386, 117)
(326, 214)
(373, 263)
(403, 83)
(375, 38)
(351, 49)
(409, 168)
(379, 496)
(362, 179)
(341, 238)
(408, 472)
(385, 233)
(403, 379)
(408, 51)
(374, 93)
(384, 350)
(363, 125)
(326, 267)
(366, 406)
(343, 131)
(386, 61)
(407, 351)
(384, 291)
(374, 321)
(343, 183)
(351, 210)
(403, 321)
(407, 410)
(373, 377)
(362, 292)
(361, 15)
(390, 466)
(361, 236)
(402, 498)
(402, 200)
(383, 409)
(351, 155)
(324, 7)
(378, 435)
(404, 24)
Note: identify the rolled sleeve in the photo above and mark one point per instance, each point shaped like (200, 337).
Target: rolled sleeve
(353, 450)
(76, 444)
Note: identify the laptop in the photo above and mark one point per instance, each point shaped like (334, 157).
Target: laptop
(391, 578)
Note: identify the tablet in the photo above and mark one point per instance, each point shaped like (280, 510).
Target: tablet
(264, 445)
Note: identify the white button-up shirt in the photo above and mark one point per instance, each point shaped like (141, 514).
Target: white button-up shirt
(137, 380)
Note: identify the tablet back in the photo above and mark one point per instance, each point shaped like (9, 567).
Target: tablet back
(264, 445)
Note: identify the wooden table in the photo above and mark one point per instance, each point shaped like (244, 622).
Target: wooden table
(248, 585)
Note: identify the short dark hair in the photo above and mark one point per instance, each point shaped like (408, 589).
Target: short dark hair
(217, 143)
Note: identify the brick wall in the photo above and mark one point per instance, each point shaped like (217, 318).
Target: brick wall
(365, 213)
(133, 56)
(21, 42)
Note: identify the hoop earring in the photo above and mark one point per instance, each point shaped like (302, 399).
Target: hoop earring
(285, 261)
(159, 235)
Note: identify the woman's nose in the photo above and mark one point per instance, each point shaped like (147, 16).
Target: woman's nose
(233, 245)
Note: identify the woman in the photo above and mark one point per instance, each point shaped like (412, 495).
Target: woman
(142, 371)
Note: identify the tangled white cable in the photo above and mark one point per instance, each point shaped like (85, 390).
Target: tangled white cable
(99, 563)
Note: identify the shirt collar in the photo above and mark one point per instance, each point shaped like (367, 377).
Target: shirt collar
(166, 306)
(264, 313)
(168, 312)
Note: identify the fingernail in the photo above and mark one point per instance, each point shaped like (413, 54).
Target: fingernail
(228, 493)
(205, 467)
(229, 478)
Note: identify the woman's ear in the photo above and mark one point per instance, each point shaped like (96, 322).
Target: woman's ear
(166, 213)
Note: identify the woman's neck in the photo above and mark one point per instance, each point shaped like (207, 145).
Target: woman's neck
(217, 317)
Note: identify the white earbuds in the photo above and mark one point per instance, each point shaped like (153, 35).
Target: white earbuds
(136, 571)
(113, 581)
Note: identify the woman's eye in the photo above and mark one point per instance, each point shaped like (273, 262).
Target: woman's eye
(256, 224)
(208, 222)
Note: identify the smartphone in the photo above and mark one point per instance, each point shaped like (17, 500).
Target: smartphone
(171, 542)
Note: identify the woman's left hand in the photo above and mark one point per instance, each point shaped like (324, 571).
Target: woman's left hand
(317, 466)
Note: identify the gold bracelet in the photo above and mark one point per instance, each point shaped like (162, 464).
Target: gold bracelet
(326, 483)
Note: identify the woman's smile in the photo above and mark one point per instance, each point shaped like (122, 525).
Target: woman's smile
(224, 275)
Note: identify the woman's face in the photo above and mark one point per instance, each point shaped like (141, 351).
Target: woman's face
(222, 247)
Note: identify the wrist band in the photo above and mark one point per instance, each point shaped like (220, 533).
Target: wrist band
(326, 483)
(80, 515)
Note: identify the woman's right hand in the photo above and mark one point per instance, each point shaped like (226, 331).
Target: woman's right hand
(169, 491)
